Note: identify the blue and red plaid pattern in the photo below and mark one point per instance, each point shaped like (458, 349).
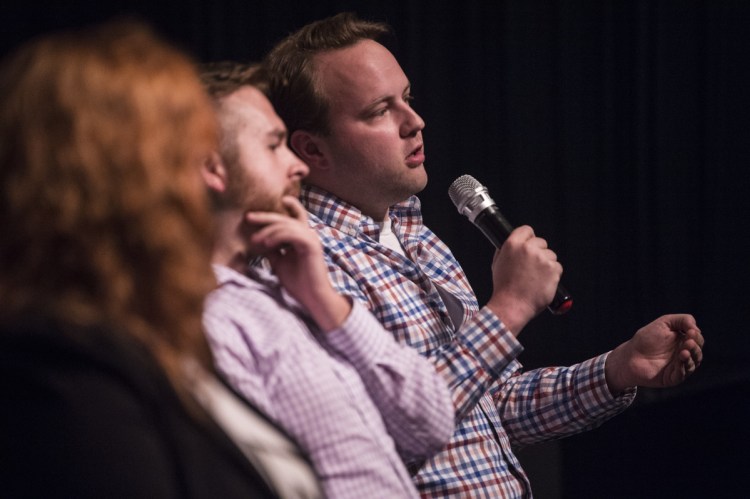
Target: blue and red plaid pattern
(497, 405)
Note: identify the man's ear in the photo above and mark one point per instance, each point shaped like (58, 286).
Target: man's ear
(214, 173)
(309, 148)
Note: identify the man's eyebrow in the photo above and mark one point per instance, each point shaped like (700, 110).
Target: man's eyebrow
(407, 89)
(376, 101)
(277, 133)
(384, 98)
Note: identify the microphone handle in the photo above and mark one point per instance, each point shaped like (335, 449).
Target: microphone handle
(496, 228)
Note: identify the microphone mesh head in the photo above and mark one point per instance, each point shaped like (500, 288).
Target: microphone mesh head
(463, 189)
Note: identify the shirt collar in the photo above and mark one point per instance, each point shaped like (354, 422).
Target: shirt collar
(337, 213)
(254, 277)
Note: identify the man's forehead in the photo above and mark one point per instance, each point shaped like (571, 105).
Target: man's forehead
(247, 97)
(347, 60)
(362, 71)
(256, 110)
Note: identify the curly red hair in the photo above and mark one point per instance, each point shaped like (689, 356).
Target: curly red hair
(103, 214)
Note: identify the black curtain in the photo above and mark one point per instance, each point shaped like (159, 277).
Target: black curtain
(619, 131)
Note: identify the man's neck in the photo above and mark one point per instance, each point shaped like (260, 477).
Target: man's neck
(230, 247)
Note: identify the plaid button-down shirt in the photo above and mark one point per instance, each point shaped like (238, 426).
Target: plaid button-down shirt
(497, 405)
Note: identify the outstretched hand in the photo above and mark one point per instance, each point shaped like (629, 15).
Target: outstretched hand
(660, 354)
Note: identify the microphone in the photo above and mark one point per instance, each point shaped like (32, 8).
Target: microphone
(473, 200)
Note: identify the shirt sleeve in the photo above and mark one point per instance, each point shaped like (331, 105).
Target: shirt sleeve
(476, 359)
(412, 398)
(470, 362)
(550, 403)
(225, 325)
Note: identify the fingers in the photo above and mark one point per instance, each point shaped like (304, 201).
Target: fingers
(690, 355)
(283, 237)
(681, 322)
(522, 234)
(262, 218)
(277, 232)
(695, 351)
(690, 367)
(696, 335)
(295, 208)
(525, 274)
(692, 339)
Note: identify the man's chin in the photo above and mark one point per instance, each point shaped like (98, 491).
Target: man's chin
(294, 191)
(284, 211)
(420, 184)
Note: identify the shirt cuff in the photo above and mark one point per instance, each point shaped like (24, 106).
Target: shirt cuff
(598, 397)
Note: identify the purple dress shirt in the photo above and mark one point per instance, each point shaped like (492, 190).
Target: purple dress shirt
(346, 396)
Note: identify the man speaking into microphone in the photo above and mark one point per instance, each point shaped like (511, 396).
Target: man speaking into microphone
(347, 105)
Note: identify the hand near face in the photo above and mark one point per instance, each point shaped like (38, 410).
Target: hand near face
(296, 256)
(661, 354)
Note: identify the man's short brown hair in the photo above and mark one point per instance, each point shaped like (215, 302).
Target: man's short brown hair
(294, 90)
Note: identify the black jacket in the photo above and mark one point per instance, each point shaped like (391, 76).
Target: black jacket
(89, 414)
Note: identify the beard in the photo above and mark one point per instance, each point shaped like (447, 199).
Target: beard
(247, 193)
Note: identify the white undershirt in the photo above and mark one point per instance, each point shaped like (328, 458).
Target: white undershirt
(273, 455)
(390, 240)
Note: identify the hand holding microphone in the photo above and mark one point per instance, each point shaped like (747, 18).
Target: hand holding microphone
(472, 200)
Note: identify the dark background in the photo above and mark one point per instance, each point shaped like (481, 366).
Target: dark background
(619, 131)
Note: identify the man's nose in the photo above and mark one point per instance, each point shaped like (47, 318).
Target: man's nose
(412, 123)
